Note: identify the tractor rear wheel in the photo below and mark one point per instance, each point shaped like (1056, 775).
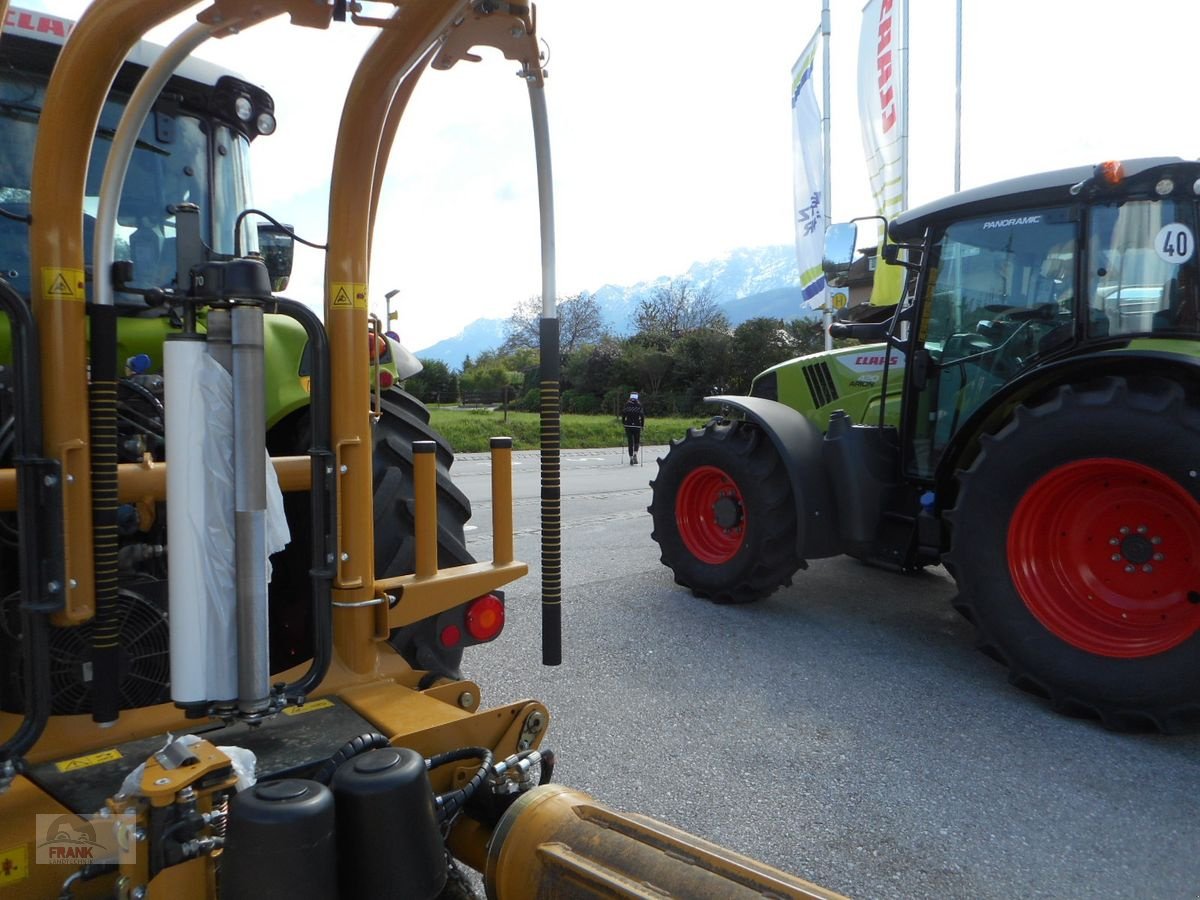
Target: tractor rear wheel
(404, 420)
(1075, 542)
(723, 514)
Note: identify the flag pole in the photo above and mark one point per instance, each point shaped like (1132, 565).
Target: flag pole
(826, 177)
(904, 112)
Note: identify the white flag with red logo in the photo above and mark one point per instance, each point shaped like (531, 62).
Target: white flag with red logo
(881, 98)
(809, 177)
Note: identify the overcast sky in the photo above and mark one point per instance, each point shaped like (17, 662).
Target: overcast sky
(670, 124)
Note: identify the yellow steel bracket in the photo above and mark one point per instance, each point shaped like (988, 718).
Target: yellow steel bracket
(207, 769)
(510, 28)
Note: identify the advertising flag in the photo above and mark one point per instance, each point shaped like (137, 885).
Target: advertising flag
(882, 96)
(809, 177)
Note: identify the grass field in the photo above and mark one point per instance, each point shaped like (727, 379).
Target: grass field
(468, 430)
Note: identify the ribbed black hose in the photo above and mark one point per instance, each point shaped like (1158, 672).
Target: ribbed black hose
(106, 629)
(449, 803)
(551, 495)
(372, 740)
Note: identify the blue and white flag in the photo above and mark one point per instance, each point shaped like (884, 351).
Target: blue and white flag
(809, 177)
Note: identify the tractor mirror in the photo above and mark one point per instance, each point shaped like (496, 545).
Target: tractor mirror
(277, 246)
(840, 241)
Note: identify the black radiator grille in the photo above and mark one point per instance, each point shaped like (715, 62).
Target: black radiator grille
(820, 384)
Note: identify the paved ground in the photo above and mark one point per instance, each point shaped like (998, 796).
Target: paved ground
(844, 729)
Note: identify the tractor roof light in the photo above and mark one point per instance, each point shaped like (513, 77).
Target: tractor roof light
(485, 617)
(265, 123)
(243, 108)
(1112, 172)
(1164, 187)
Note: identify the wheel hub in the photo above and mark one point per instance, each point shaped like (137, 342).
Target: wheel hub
(710, 514)
(727, 512)
(1103, 553)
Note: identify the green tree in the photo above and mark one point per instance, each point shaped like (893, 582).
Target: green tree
(579, 323)
(435, 383)
(671, 311)
(701, 361)
(759, 344)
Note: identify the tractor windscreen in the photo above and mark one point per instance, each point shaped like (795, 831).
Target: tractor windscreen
(178, 158)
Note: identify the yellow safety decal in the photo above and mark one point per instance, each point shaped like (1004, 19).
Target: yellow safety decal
(83, 762)
(14, 865)
(307, 708)
(347, 295)
(62, 284)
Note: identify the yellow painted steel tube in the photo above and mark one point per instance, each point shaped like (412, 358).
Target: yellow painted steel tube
(425, 503)
(74, 97)
(502, 501)
(414, 29)
(557, 843)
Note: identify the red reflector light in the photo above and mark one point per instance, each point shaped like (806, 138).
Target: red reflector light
(485, 617)
(1112, 171)
(451, 636)
(385, 379)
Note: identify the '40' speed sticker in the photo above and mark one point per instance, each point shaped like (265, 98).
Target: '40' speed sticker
(1175, 243)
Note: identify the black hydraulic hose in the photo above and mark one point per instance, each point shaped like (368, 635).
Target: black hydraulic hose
(321, 502)
(40, 538)
(449, 803)
(102, 394)
(372, 740)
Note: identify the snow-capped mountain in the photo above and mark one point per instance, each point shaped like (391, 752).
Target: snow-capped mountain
(749, 282)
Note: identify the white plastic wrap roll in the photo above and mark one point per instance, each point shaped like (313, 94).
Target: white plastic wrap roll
(216, 387)
(186, 526)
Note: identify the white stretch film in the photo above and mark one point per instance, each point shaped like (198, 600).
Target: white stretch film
(188, 614)
(216, 389)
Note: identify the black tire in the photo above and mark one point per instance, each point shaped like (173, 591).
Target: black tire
(1075, 543)
(723, 513)
(404, 420)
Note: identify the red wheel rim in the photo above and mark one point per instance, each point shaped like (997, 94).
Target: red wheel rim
(711, 515)
(1104, 553)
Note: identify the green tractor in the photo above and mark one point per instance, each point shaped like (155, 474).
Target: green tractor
(186, 198)
(1029, 417)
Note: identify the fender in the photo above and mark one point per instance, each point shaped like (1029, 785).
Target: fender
(799, 444)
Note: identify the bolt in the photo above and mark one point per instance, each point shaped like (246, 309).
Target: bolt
(1142, 529)
(70, 479)
(161, 781)
(49, 481)
(1124, 529)
(72, 583)
(1114, 541)
(1156, 540)
(1158, 557)
(466, 700)
(1129, 569)
(345, 557)
(344, 469)
(53, 587)
(1116, 557)
(535, 722)
(1147, 568)
(138, 893)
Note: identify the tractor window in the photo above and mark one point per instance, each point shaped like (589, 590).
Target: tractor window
(1142, 268)
(165, 169)
(998, 296)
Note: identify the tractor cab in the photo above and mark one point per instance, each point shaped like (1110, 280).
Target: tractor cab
(1024, 273)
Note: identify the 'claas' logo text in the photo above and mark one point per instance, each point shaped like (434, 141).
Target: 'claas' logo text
(876, 361)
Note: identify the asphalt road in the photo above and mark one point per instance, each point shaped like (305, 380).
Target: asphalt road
(844, 729)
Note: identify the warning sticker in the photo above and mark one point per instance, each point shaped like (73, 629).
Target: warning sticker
(14, 865)
(307, 707)
(347, 295)
(62, 284)
(83, 762)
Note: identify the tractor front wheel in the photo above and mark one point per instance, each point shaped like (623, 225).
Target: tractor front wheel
(723, 513)
(1076, 547)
